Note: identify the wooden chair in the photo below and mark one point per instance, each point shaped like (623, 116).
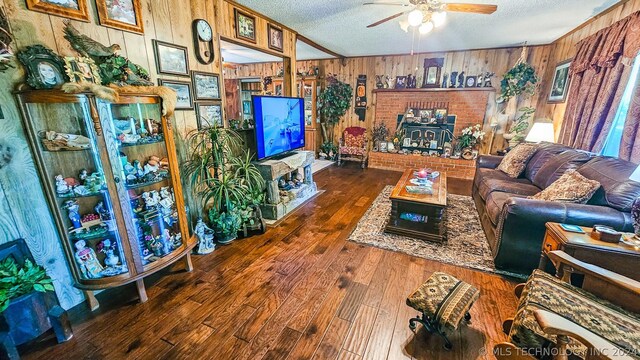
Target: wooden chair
(353, 146)
(566, 320)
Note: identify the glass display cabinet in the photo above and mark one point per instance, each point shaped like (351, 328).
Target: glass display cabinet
(110, 175)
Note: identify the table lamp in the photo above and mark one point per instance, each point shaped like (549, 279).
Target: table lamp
(635, 209)
(541, 131)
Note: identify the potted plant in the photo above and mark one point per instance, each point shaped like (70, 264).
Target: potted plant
(379, 133)
(468, 141)
(519, 128)
(328, 150)
(333, 103)
(222, 176)
(19, 282)
(520, 79)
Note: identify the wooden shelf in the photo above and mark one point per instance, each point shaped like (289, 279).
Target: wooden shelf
(434, 89)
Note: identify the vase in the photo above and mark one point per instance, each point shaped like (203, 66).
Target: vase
(467, 153)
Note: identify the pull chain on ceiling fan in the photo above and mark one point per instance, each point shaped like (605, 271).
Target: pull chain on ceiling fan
(427, 14)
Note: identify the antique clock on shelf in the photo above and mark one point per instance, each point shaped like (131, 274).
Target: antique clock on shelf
(202, 33)
(111, 178)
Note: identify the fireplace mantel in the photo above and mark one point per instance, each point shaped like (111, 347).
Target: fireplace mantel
(433, 90)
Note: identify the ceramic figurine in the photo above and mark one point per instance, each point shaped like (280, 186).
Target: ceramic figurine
(379, 84)
(139, 172)
(151, 199)
(461, 80)
(55, 141)
(111, 259)
(61, 186)
(153, 244)
(87, 261)
(480, 80)
(411, 81)
(94, 183)
(487, 78)
(445, 79)
(453, 79)
(81, 190)
(390, 83)
(205, 238)
(167, 245)
(83, 175)
(74, 213)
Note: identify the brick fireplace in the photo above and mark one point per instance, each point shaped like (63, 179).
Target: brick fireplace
(469, 104)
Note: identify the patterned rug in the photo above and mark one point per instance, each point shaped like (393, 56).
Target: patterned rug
(466, 246)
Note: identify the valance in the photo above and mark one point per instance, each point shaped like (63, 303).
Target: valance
(604, 48)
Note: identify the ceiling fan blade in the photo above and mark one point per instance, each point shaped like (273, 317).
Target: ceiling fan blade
(386, 3)
(387, 19)
(471, 8)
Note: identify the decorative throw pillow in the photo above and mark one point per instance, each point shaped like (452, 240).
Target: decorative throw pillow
(514, 163)
(570, 187)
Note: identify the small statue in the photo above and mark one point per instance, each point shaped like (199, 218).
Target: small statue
(411, 81)
(138, 171)
(151, 199)
(153, 244)
(445, 79)
(167, 244)
(61, 185)
(480, 80)
(94, 183)
(461, 80)
(87, 260)
(74, 213)
(83, 175)
(111, 260)
(81, 190)
(379, 84)
(487, 78)
(205, 238)
(176, 240)
(454, 77)
(391, 83)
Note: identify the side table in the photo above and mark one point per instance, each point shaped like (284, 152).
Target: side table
(619, 258)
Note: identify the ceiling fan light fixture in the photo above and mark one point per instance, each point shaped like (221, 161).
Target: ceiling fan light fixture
(426, 27)
(404, 25)
(415, 17)
(439, 18)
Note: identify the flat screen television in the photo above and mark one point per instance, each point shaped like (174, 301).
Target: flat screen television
(279, 125)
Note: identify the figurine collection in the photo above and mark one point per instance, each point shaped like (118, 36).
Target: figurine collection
(154, 169)
(86, 184)
(130, 131)
(454, 80)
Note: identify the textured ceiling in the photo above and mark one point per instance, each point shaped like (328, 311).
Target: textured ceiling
(308, 52)
(238, 54)
(340, 25)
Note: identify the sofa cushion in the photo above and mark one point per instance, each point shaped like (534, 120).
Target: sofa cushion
(617, 191)
(570, 187)
(487, 186)
(546, 292)
(495, 201)
(545, 152)
(557, 165)
(514, 163)
(484, 174)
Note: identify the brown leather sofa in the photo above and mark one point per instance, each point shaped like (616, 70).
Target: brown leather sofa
(515, 225)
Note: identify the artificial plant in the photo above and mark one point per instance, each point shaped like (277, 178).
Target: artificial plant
(333, 103)
(16, 281)
(521, 124)
(379, 133)
(223, 178)
(520, 79)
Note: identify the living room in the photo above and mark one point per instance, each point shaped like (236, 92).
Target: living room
(410, 179)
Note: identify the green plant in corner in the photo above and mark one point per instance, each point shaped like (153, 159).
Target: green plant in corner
(333, 103)
(329, 149)
(16, 281)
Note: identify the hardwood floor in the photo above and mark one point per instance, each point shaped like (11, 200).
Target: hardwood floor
(300, 291)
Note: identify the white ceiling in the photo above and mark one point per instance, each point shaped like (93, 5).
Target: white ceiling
(340, 25)
(305, 51)
(238, 54)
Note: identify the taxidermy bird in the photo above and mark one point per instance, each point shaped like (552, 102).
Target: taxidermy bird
(86, 45)
(5, 41)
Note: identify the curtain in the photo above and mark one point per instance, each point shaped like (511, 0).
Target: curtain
(599, 73)
(630, 144)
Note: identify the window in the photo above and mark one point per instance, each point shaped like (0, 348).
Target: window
(614, 138)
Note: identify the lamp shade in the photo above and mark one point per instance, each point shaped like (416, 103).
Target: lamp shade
(541, 131)
(636, 175)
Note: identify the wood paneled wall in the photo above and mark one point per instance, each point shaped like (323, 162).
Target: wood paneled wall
(23, 210)
(565, 48)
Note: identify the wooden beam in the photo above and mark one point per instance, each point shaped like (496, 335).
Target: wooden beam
(311, 43)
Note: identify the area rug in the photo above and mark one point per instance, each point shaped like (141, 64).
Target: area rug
(466, 246)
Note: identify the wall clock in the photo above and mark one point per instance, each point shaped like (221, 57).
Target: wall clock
(202, 33)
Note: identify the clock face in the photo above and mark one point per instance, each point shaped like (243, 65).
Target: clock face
(204, 30)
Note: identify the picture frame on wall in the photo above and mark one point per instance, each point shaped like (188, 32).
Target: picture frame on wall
(246, 107)
(206, 85)
(276, 38)
(245, 26)
(560, 83)
(209, 114)
(45, 69)
(121, 14)
(72, 9)
(183, 90)
(171, 59)
(82, 69)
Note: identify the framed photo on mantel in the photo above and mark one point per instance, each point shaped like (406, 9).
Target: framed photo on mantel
(432, 70)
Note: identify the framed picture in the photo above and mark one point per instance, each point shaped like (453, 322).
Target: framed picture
(121, 14)
(245, 26)
(440, 115)
(246, 107)
(432, 69)
(183, 89)
(560, 83)
(426, 114)
(470, 81)
(82, 69)
(45, 69)
(383, 146)
(276, 38)
(401, 82)
(171, 59)
(209, 114)
(72, 9)
(206, 85)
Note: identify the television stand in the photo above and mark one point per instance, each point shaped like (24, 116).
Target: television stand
(272, 170)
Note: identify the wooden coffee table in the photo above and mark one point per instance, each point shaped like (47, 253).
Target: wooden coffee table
(419, 215)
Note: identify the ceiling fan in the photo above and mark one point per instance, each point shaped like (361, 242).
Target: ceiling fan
(427, 14)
